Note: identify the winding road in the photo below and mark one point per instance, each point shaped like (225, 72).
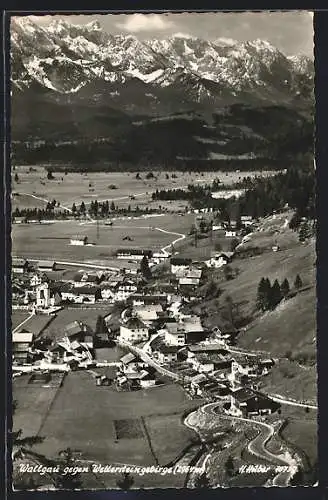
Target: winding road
(257, 446)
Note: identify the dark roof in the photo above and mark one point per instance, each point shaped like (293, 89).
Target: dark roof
(91, 278)
(46, 263)
(79, 237)
(206, 348)
(244, 394)
(169, 349)
(135, 324)
(134, 251)
(86, 290)
(18, 262)
(179, 261)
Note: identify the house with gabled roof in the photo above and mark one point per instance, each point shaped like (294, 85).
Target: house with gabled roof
(134, 331)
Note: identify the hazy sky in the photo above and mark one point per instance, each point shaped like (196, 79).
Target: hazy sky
(291, 32)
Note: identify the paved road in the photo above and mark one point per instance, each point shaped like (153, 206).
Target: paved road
(257, 446)
(147, 359)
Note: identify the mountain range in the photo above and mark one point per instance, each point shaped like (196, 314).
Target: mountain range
(71, 84)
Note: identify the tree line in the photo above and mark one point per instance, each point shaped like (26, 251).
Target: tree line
(269, 296)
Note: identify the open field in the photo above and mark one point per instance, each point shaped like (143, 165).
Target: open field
(293, 381)
(62, 425)
(75, 187)
(33, 404)
(88, 315)
(53, 240)
(17, 317)
(36, 324)
(290, 327)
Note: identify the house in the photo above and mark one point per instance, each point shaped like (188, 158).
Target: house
(275, 248)
(208, 348)
(202, 364)
(197, 384)
(133, 253)
(245, 402)
(81, 333)
(188, 282)
(174, 334)
(128, 358)
(230, 233)
(86, 294)
(107, 292)
(148, 313)
(194, 331)
(179, 263)
(246, 220)
(133, 331)
(147, 300)
(166, 353)
(81, 279)
(19, 220)
(19, 266)
(124, 289)
(21, 344)
(218, 260)
(44, 265)
(79, 240)
(37, 279)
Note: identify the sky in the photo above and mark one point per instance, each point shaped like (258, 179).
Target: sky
(290, 31)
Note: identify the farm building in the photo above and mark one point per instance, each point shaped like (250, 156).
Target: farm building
(86, 294)
(19, 220)
(188, 282)
(145, 300)
(22, 342)
(148, 313)
(82, 278)
(179, 263)
(133, 331)
(37, 279)
(133, 253)
(245, 402)
(46, 265)
(19, 266)
(174, 334)
(166, 353)
(79, 240)
(218, 260)
(80, 332)
(230, 233)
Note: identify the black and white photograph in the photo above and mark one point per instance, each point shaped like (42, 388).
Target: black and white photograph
(163, 251)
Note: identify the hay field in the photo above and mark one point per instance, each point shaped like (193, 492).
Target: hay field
(77, 187)
(72, 420)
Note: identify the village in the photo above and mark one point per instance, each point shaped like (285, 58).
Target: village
(159, 341)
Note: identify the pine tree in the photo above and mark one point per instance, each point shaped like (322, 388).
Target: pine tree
(126, 482)
(144, 268)
(298, 283)
(82, 208)
(69, 481)
(267, 294)
(229, 466)
(285, 288)
(202, 481)
(112, 206)
(261, 300)
(276, 295)
(101, 326)
(74, 208)
(16, 177)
